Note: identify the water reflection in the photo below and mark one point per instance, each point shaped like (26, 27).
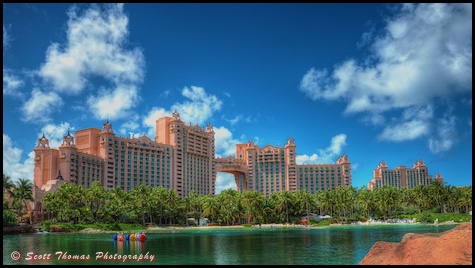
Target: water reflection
(264, 246)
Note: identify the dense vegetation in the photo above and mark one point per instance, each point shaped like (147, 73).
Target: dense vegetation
(15, 199)
(160, 206)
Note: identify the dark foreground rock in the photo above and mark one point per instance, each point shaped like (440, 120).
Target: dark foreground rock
(19, 229)
(449, 248)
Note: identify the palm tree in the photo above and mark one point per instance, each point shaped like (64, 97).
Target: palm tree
(420, 196)
(252, 202)
(172, 201)
(95, 197)
(305, 201)
(230, 205)
(211, 207)
(467, 198)
(283, 201)
(23, 193)
(141, 197)
(117, 207)
(8, 187)
(363, 200)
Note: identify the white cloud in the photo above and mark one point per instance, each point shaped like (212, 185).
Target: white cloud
(238, 118)
(328, 155)
(55, 133)
(165, 94)
(200, 107)
(424, 53)
(128, 126)
(6, 38)
(12, 165)
(224, 142)
(409, 130)
(235, 120)
(414, 123)
(40, 106)
(446, 136)
(224, 181)
(96, 46)
(113, 104)
(198, 110)
(150, 120)
(11, 83)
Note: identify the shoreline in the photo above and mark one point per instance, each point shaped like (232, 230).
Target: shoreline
(172, 229)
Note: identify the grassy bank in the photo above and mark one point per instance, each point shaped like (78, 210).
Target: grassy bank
(430, 217)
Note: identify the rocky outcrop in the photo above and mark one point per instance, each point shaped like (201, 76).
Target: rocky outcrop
(448, 248)
(60, 229)
(18, 229)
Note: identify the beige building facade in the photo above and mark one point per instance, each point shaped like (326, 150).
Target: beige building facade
(401, 176)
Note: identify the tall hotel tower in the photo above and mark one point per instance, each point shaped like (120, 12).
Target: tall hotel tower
(272, 169)
(180, 158)
(401, 176)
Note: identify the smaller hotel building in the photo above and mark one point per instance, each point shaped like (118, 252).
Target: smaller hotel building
(271, 169)
(402, 177)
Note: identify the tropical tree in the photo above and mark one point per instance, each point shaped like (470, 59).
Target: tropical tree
(363, 200)
(283, 202)
(8, 187)
(211, 207)
(229, 210)
(253, 204)
(141, 198)
(305, 201)
(117, 207)
(95, 197)
(22, 193)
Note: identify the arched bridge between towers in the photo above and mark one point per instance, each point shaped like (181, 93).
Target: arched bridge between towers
(233, 166)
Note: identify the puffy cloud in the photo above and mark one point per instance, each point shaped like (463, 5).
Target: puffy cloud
(150, 120)
(97, 46)
(446, 136)
(414, 123)
(11, 83)
(114, 104)
(423, 53)
(200, 106)
(198, 110)
(224, 142)
(12, 163)
(40, 105)
(224, 181)
(128, 126)
(327, 155)
(55, 133)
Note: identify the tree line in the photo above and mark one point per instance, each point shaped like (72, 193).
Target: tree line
(161, 206)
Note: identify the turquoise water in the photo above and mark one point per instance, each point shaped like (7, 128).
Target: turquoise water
(333, 245)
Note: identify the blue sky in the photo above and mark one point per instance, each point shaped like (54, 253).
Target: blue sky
(375, 81)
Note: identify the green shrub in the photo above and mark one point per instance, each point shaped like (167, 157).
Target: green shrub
(323, 223)
(9, 218)
(425, 217)
(247, 225)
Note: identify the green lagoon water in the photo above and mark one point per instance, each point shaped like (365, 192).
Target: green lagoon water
(335, 245)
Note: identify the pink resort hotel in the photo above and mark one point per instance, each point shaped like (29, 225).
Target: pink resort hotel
(183, 158)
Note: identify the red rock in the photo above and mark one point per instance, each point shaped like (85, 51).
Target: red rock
(447, 248)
